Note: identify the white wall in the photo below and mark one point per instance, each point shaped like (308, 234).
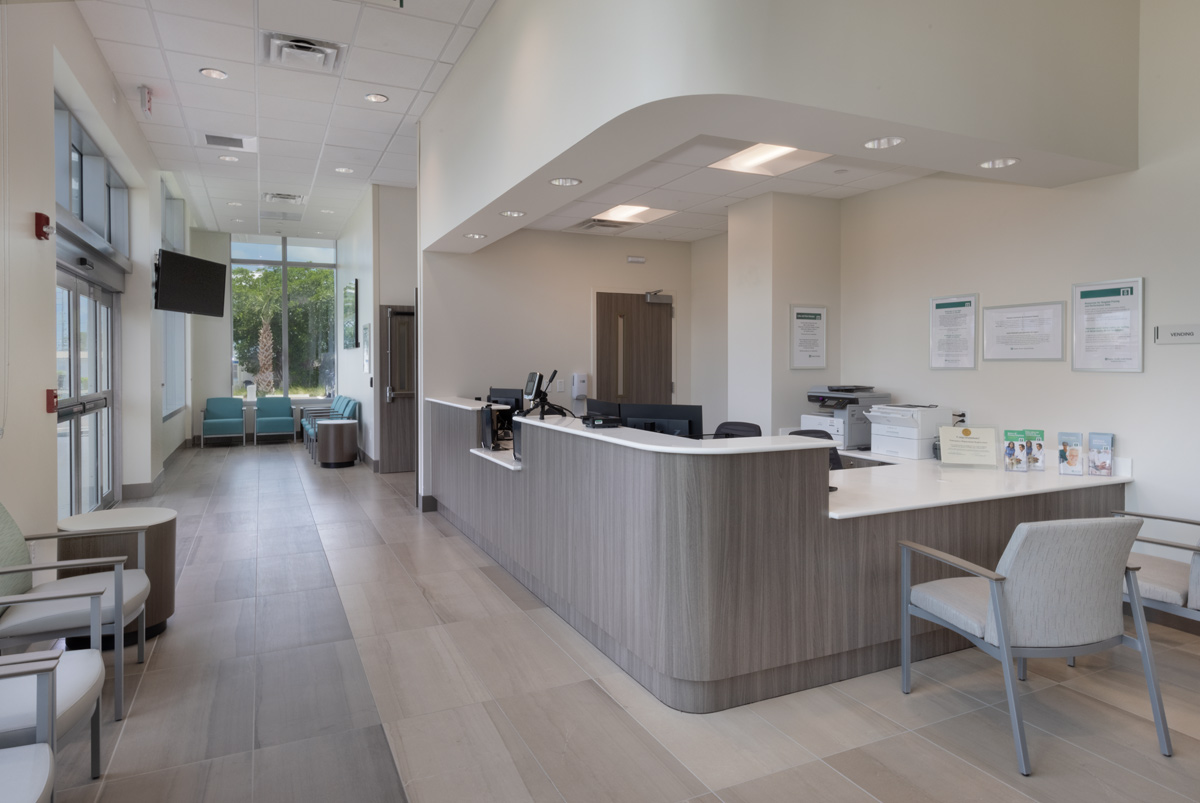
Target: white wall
(710, 327)
(750, 311)
(212, 338)
(396, 252)
(356, 260)
(942, 235)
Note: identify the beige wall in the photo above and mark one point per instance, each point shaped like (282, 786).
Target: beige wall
(356, 260)
(1010, 244)
(710, 326)
(396, 252)
(212, 338)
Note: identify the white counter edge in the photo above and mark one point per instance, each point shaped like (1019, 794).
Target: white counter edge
(670, 444)
(503, 458)
(463, 403)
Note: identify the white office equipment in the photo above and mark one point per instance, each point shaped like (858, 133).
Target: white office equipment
(579, 386)
(906, 430)
(836, 427)
(847, 403)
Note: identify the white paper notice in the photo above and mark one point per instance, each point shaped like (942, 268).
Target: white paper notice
(808, 337)
(952, 331)
(1025, 332)
(1108, 326)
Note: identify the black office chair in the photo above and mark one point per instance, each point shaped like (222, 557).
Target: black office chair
(835, 459)
(737, 429)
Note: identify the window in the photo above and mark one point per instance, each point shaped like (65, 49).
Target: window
(86, 185)
(174, 362)
(284, 316)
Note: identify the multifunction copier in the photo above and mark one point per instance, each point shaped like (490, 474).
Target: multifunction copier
(843, 408)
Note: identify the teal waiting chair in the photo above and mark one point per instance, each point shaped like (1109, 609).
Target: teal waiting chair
(223, 419)
(343, 408)
(273, 416)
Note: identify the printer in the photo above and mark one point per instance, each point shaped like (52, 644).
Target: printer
(907, 430)
(842, 413)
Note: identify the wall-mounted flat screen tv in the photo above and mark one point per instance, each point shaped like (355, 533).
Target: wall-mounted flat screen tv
(185, 283)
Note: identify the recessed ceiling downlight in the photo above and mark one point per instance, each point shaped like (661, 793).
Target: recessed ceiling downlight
(327, 212)
(233, 203)
(474, 236)
(375, 97)
(343, 169)
(512, 213)
(1005, 161)
(228, 158)
(565, 181)
(213, 72)
(883, 142)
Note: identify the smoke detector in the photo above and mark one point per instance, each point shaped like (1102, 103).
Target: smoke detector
(283, 198)
(300, 53)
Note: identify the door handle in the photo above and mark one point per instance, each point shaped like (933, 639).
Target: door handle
(388, 393)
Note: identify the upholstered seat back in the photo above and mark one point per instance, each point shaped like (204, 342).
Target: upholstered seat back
(1064, 581)
(273, 407)
(351, 409)
(220, 408)
(14, 551)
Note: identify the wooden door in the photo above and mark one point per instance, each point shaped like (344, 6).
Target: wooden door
(633, 349)
(397, 390)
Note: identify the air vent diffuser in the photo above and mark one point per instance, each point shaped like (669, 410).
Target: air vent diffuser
(298, 53)
(282, 198)
(224, 142)
(280, 216)
(598, 226)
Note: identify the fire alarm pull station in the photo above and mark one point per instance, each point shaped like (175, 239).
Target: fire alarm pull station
(52, 401)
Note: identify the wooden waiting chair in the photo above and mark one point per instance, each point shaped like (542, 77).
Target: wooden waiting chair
(1056, 592)
(27, 772)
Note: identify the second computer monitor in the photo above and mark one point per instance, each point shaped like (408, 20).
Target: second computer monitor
(510, 397)
(597, 407)
(685, 420)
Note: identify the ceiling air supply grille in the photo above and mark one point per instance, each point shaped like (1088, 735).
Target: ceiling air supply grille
(313, 55)
(296, 216)
(282, 198)
(598, 226)
(224, 142)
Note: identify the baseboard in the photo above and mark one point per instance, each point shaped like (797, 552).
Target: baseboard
(368, 461)
(178, 453)
(429, 504)
(143, 490)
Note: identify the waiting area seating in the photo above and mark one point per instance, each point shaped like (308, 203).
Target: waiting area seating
(342, 408)
(1056, 592)
(223, 418)
(1169, 585)
(273, 416)
(27, 771)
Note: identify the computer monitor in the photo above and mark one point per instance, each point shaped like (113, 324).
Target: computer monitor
(509, 396)
(597, 407)
(684, 420)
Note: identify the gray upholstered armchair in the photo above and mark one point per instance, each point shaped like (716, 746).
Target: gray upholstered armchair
(1167, 584)
(1056, 592)
(27, 772)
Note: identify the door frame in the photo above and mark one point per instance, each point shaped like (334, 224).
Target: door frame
(594, 291)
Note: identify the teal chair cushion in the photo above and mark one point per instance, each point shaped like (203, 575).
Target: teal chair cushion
(14, 551)
(273, 415)
(222, 416)
(224, 426)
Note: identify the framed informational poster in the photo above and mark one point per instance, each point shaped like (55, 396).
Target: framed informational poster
(1025, 331)
(952, 332)
(808, 336)
(1106, 319)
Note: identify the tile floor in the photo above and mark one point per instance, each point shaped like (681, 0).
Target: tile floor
(329, 640)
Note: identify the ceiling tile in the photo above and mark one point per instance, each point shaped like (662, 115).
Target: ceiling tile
(237, 12)
(654, 231)
(214, 122)
(133, 59)
(205, 38)
(163, 113)
(173, 153)
(717, 206)
(784, 185)
(208, 155)
(671, 199)
(388, 31)
(316, 19)
(353, 93)
(355, 138)
(654, 174)
(366, 120)
(410, 127)
(838, 170)
(387, 69)
(838, 192)
(319, 201)
(186, 67)
(443, 10)
(552, 223)
(218, 99)
(890, 178)
(582, 210)
(290, 163)
(353, 157)
(436, 75)
(283, 147)
(419, 105)
(406, 145)
(289, 130)
(274, 180)
(297, 84)
(161, 90)
(691, 235)
(347, 193)
(118, 23)
(457, 44)
(694, 220)
(703, 151)
(167, 135)
(476, 13)
(399, 161)
(713, 181)
(614, 194)
(301, 111)
(138, 3)
(399, 178)
(221, 170)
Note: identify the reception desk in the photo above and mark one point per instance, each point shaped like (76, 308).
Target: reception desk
(717, 573)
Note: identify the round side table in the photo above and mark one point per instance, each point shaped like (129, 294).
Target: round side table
(160, 554)
(337, 442)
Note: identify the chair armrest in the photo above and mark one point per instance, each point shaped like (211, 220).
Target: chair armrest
(1156, 518)
(953, 560)
(31, 657)
(21, 599)
(28, 668)
(1172, 544)
(82, 563)
(83, 533)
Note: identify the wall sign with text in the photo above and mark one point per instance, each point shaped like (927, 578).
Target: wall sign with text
(952, 332)
(1024, 331)
(1107, 324)
(808, 328)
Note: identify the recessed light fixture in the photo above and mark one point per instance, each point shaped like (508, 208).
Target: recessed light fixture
(375, 97)
(883, 142)
(625, 213)
(233, 203)
(1005, 161)
(565, 181)
(512, 213)
(343, 169)
(768, 160)
(238, 220)
(327, 212)
(228, 158)
(473, 236)
(213, 72)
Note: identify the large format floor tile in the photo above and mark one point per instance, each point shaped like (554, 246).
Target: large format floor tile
(513, 655)
(415, 672)
(351, 767)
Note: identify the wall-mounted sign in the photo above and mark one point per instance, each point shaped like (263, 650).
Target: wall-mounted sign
(1177, 333)
(1107, 320)
(808, 336)
(1024, 331)
(952, 331)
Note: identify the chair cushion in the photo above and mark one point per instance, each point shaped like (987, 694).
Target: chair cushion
(961, 601)
(273, 407)
(224, 426)
(218, 408)
(14, 551)
(273, 425)
(77, 683)
(27, 773)
(1162, 579)
(72, 614)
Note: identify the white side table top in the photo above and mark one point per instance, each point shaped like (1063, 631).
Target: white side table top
(117, 517)
(336, 422)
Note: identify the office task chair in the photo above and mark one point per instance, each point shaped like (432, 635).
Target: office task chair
(737, 429)
(125, 590)
(835, 460)
(1056, 592)
(27, 772)
(78, 680)
(1167, 584)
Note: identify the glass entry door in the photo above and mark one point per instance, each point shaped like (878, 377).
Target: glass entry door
(83, 334)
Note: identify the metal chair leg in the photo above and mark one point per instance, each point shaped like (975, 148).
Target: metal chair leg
(1010, 679)
(1020, 669)
(1143, 637)
(905, 621)
(1071, 661)
(118, 668)
(96, 740)
(142, 637)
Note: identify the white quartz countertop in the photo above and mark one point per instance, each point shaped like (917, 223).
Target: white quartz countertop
(916, 484)
(463, 403)
(501, 457)
(134, 517)
(671, 444)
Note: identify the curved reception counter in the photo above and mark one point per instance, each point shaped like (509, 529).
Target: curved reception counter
(717, 573)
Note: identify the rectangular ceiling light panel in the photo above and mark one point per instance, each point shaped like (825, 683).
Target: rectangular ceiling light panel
(769, 160)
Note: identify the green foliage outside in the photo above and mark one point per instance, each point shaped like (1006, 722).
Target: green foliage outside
(258, 329)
